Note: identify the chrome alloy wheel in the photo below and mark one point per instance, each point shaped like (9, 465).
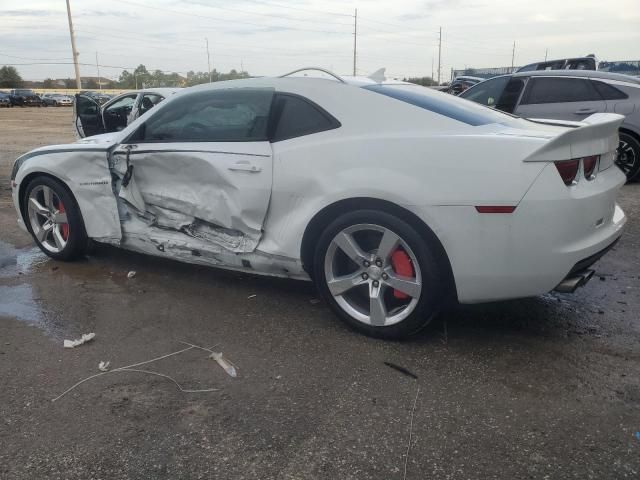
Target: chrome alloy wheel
(361, 277)
(48, 218)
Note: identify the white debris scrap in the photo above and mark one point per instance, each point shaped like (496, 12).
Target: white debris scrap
(225, 364)
(131, 274)
(87, 337)
(104, 366)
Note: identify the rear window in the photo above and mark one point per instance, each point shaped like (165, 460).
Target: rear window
(443, 104)
(608, 92)
(559, 90)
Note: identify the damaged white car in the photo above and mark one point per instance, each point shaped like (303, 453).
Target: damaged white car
(391, 197)
(93, 118)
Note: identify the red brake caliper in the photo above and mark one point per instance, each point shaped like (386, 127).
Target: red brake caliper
(401, 264)
(65, 226)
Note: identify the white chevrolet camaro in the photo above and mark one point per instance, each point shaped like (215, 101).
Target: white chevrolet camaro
(393, 198)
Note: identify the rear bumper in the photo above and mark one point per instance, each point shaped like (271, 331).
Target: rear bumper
(552, 232)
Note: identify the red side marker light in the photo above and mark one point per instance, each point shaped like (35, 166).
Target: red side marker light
(495, 209)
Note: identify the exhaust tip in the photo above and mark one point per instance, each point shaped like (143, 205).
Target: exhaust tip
(574, 280)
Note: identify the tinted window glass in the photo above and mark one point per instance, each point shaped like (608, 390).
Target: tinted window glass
(559, 90)
(511, 95)
(233, 115)
(608, 92)
(298, 116)
(442, 104)
(486, 93)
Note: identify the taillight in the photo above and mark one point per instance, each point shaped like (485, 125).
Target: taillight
(568, 170)
(589, 166)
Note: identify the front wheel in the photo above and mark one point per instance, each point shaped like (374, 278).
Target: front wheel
(378, 274)
(53, 219)
(629, 156)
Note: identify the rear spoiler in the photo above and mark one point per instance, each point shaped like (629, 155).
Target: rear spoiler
(595, 135)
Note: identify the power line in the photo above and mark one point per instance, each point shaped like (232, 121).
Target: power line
(321, 12)
(178, 12)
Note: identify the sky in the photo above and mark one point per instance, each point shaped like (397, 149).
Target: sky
(270, 37)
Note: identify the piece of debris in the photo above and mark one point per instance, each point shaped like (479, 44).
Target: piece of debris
(225, 364)
(129, 368)
(413, 411)
(401, 369)
(87, 337)
(314, 301)
(104, 366)
(54, 268)
(131, 274)
(252, 296)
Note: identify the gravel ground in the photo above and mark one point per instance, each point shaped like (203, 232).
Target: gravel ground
(541, 388)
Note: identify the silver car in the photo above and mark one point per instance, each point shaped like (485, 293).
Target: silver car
(570, 95)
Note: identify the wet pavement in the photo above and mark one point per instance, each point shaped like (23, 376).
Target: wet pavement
(546, 387)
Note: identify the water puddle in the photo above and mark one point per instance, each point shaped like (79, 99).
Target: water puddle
(14, 262)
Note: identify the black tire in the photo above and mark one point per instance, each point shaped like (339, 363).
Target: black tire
(433, 280)
(77, 238)
(629, 156)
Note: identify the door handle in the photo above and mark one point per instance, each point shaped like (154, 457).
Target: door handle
(244, 167)
(585, 111)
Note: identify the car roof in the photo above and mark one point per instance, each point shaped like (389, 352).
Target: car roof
(578, 73)
(468, 77)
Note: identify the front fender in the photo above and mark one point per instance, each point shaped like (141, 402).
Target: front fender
(86, 173)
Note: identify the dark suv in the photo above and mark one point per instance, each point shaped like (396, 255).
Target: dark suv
(23, 97)
(570, 95)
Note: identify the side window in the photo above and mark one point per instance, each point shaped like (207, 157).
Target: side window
(559, 90)
(230, 115)
(124, 103)
(608, 92)
(86, 106)
(486, 93)
(511, 95)
(149, 100)
(296, 116)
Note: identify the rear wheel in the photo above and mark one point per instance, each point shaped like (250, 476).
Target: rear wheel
(629, 156)
(54, 219)
(378, 274)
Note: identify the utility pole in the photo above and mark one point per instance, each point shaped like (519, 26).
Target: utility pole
(546, 50)
(439, 53)
(431, 68)
(73, 48)
(355, 40)
(513, 55)
(98, 67)
(208, 59)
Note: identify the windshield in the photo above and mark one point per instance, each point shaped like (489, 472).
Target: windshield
(24, 92)
(442, 104)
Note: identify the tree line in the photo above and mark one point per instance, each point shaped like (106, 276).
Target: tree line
(140, 77)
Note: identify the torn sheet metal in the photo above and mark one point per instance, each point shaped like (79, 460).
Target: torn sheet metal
(222, 193)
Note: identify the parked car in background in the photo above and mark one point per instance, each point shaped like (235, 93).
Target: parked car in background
(394, 198)
(23, 97)
(91, 118)
(461, 83)
(580, 63)
(570, 95)
(56, 100)
(5, 100)
(99, 97)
